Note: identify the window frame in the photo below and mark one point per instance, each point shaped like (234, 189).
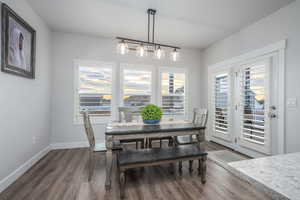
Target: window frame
(137, 67)
(186, 87)
(98, 119)
(117, 87)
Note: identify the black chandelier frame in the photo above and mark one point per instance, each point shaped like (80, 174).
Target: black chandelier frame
(151, 13)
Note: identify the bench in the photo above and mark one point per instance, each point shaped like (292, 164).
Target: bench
(157, 156)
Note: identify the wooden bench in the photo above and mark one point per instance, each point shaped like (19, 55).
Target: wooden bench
(157, 156)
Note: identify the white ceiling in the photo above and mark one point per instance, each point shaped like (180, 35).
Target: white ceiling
(187, 23)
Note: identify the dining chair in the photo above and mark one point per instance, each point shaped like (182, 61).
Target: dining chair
(131, 114)
(200, 117)
(160, 139)
(91, 139)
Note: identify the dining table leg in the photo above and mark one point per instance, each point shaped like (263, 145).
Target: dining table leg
(108, 161)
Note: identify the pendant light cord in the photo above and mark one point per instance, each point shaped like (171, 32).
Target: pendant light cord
(151, 12)
(148, 27)
(153, 27)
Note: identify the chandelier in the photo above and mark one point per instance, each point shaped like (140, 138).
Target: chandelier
(144, 48)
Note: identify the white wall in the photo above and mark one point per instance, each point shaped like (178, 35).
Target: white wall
(25, 103)
(67, 47)
(284, 24)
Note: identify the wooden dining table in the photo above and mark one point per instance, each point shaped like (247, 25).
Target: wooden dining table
(137, 130)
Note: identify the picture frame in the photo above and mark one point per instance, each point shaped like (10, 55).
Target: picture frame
(18, 42)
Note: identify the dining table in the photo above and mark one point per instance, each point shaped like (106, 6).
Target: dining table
(117, 131)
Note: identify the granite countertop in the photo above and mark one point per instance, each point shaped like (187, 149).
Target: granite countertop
(279, 176)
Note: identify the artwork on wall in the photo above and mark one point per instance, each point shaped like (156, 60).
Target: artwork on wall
(18, 45)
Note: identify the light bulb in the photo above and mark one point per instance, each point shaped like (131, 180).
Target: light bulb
(122, 47)
(174, 55)
(141, 51)
(159, 53)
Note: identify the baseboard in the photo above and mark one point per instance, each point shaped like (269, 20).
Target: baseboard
(11, 178)
(69, 145)
(73, 145)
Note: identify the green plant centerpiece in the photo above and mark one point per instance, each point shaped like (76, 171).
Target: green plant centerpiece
(151, 114)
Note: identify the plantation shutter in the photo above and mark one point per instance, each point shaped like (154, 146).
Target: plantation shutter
(221, 105)
(136, 87)
(95, 89)
(173, 93)
(254, 106)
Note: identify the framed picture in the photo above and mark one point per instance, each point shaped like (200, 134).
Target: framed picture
(18, 45)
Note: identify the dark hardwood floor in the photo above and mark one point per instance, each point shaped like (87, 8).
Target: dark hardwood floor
(63, 175)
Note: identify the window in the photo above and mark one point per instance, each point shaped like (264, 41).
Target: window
(173, 92)
(94, 87)
(102, 87)
(137, 87)
(221, 105)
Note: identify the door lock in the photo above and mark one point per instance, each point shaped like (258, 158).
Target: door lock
(272, 115)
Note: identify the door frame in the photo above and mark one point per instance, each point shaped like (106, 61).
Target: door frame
(276, 48)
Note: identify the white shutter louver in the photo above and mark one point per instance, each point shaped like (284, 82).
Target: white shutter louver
(136, 87)
(173, 93)
(220, 104)
(253, 104)
(95, 89)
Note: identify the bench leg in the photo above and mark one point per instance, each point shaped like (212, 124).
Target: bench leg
(202, 169)
(180, 167)
(122, 183)
(191, 166)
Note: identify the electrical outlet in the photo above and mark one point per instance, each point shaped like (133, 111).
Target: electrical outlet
(33, 140)
(291, 103)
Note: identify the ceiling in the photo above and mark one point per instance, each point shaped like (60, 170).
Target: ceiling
(186, 23)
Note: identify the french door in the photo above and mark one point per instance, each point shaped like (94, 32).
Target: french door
(243, 101)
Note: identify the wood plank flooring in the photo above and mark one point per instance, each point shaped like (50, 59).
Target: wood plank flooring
(63, 175)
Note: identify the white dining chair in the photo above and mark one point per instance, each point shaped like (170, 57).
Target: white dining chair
(131, 114)
(93, 147)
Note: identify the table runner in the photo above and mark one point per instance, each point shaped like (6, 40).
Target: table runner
(141, 123)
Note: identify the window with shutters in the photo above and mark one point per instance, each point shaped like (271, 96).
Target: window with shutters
(221, 105)
(173, 90)
(136, 87)
(102, 87)
(253, 80)
(94, 88)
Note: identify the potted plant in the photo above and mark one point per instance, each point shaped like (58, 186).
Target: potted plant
(151, 114)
